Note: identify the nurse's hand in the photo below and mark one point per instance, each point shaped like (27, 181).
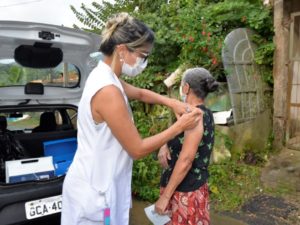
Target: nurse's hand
(179, 107)
(191, 119)
(163, 156)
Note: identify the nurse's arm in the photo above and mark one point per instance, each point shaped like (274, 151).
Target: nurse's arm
(151, 97)
(108, 105)
(192, 139)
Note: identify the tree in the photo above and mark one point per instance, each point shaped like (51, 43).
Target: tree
(94, 17)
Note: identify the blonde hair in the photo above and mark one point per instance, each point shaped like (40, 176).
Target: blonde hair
(124, 29)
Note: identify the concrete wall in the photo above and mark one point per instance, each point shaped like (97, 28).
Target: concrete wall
(252, 135)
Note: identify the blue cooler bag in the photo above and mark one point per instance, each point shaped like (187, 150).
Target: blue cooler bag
(63, 152)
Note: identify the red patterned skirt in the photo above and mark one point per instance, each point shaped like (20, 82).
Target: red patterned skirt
(189, 208)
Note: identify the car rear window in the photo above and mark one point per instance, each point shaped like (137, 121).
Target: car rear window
(27, 121)
(13, 74)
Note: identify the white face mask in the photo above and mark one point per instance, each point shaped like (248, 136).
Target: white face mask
(182, 96)
(136, 69)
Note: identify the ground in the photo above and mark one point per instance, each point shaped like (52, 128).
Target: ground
(278, 204)
(282, 174)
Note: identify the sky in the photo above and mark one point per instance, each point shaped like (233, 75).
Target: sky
(56, 12)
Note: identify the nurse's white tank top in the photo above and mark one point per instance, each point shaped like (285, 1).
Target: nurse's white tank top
(100, 164)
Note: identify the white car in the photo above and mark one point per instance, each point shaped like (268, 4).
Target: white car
(43, 69)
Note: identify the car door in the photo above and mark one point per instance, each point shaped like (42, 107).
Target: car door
(42, 66)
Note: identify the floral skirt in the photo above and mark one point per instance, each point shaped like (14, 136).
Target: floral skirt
(189, 208)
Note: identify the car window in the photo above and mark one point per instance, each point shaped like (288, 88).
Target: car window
(26, 121)
(18, 121)
(13, 74)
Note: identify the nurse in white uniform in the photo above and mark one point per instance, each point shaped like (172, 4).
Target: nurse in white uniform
(97, 188)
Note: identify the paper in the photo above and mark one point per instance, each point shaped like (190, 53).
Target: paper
(221, 117)
(155, 218)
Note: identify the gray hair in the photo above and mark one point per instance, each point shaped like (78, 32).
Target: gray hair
(124, 29)
(200, 81)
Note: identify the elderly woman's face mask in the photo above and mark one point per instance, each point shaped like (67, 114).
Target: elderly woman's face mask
(181, 92)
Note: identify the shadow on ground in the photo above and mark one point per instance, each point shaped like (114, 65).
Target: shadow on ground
(267, 210)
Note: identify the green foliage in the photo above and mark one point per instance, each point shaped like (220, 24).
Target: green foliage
(221, 138)
(146, 175)
(232, 183)
(146, 172)
(95, 17)
(264, 58)
(191, 32)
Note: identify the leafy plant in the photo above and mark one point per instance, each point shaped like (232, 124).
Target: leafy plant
(146, 176)
(264, 58)
(221, 138)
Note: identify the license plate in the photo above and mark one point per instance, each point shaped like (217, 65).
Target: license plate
(43, 207)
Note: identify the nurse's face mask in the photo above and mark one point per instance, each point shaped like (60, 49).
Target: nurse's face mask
(140, 62)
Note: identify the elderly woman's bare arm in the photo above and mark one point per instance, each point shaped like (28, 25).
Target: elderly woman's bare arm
(186, 157)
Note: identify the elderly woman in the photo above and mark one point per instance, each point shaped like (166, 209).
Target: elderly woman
(185, 158)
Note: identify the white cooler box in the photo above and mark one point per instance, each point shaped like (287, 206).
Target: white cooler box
(29, 169)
